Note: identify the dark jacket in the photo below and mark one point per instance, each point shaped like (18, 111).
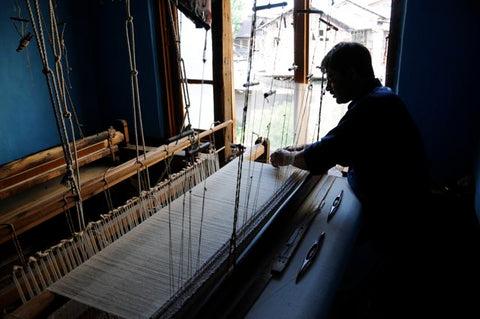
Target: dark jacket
(379, 142)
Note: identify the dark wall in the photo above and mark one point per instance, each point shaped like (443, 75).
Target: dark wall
(439, 82)
(27, 124)
(100, 74)
(477, 187)
(113, 69)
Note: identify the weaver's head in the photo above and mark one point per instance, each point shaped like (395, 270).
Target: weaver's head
(348, 66)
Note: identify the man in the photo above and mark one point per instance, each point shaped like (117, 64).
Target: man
(379, 142)
(376, 139)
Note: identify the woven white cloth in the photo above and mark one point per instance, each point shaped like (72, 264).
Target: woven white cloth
(138, 273)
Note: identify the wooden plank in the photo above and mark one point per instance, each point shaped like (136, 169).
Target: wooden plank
(33, 160)
(41, 209)
(14, 186)
(59, 163)
(17, 183)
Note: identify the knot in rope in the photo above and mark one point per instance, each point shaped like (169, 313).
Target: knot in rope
(46, 70)
(129, 18)
(67, 115)
(77, 197)
(141, 165)
(134, 72)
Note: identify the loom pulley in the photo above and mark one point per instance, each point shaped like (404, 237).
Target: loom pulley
(25, 37)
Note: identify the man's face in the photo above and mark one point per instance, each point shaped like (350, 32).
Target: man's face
(340, 85)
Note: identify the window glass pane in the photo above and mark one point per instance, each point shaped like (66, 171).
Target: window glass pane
(192, 43)
(299, 105)
(201, 105)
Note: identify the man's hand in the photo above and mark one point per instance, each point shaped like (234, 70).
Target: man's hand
(282, 157)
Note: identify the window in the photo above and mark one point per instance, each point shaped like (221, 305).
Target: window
(196, 52)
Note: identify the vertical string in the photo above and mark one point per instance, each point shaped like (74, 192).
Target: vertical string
(136, 105)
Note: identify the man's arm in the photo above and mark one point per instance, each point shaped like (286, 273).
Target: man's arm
(293, 148)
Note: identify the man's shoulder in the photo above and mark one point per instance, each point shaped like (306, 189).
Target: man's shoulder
(382, 92)
(379, 104)
(380, 97)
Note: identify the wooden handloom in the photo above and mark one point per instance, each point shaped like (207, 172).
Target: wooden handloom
(194, 261)
(52, 198)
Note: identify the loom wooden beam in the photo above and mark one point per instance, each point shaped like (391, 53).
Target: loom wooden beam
(51, 154)
(255, 152)
(260, 151)
(16, 183)
(130, 168)
(42, 209)
(223, 87)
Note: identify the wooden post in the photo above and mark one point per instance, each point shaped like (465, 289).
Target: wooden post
(300, 42)
(301, 57)
(397, 20)
(223, 87)
(170, 68)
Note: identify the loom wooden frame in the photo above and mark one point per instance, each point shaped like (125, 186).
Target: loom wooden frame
(25, 173)
(35, 213)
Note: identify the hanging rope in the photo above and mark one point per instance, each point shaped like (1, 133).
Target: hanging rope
(305, 109)
(186, 125)
(286, 118)
(106, 191)
(204, 60)
(328, 27)
(202, 214)
(57, 49)
(67, 88)
(266, 100)
(68, 215)
(64, 47)
(233, 239)
(266, 96)
(16, 242)
(56, 86)
(137, 109)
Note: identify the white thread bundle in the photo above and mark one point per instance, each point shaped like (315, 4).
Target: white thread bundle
(137, 274)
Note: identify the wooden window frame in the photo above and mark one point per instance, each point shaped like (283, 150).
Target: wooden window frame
(222, 72)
